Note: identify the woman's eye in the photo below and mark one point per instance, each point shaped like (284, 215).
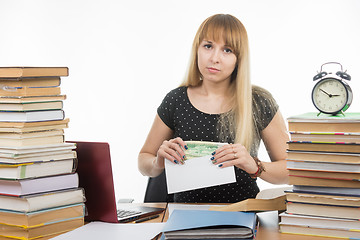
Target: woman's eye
(228, 50)
(207, 46)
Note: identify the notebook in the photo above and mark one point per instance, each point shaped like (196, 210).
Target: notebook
(95, 176)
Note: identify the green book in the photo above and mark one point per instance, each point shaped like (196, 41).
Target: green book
(322, 117)
(348, 122)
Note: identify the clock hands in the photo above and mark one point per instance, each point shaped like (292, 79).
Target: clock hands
(325, 92)
(330, 95)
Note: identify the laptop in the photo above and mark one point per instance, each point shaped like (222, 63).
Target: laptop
(95, 177)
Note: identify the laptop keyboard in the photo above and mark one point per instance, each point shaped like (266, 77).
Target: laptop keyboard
(126, 213)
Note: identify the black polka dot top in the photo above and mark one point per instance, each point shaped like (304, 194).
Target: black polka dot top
(190, 124)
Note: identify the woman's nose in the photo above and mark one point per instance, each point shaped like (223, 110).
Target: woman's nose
(215, 57)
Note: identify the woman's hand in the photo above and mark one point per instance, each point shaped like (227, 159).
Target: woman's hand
(234, 155)
(172, 150)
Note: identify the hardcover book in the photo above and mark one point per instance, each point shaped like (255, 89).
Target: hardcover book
(21, 72)
(313, 122)
(42, 216)
(36, 169)
(34, 202)
(39, 185)
(34, 116)
(200, 224)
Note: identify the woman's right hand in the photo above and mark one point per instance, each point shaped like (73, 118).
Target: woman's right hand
(173, 150)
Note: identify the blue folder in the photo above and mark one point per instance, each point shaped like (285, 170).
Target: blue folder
(193, 219)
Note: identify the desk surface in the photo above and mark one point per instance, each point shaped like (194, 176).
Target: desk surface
(262, 234)
(98, 230)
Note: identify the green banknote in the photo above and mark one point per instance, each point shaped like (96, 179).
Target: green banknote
(200, 149)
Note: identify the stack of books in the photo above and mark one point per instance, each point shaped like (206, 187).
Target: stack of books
(324, 169)
(39, 187)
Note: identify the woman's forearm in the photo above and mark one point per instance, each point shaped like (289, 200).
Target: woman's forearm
(147, 166)
(275, 172)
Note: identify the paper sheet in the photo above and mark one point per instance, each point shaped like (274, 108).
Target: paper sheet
(196, 173)
(101, 230)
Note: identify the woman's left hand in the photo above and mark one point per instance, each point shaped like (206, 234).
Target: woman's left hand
(234, 155)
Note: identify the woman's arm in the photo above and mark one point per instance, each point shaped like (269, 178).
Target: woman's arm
(157, 147)
(275, 137)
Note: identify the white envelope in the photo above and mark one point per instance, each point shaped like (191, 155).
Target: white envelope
(196, 173)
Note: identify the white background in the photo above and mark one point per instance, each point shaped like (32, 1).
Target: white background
(124, 56)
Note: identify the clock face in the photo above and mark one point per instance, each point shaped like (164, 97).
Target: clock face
(330, 95)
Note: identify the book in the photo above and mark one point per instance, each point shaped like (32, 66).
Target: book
(37, 185)
(210, 233)
(34, 116)
(323, 182)
(21, 72)
(19, 152)
(323, 166)
(31, 106)
(304, 220)
(336, 232)
(312, 122)
(323, 210)
(334, 137)
(11, 142)
(33, 134)
(50, 236)
(324, 147)
(327, 190)
(255, 205)
(272, 199)
(22, 232)
(21, 127)
(42, 216)
(30, 91)
(324, 156)
(198, 224)
(31, 139)
(324, 174)
(30, 99)
(329, 199)
(30, 82)
(34, 202)
(38, 157)
(36, 169)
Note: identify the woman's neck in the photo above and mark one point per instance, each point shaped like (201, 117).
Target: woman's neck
(215, 89)
(211, 98)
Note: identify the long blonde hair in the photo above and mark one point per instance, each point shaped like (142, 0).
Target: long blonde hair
(240, 118)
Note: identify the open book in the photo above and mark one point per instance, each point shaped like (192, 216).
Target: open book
(272, 199)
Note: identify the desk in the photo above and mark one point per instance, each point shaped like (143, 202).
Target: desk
(262, 234)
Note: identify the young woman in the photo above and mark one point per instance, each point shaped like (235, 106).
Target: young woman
(217, 102)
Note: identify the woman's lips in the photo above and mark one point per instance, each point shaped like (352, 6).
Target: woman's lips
(213, 70)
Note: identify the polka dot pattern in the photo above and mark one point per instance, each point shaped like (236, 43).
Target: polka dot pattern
(177, 112)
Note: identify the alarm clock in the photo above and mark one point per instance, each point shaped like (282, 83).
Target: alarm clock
(331, 94)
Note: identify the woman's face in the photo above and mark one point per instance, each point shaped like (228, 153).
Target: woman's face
(216, 61)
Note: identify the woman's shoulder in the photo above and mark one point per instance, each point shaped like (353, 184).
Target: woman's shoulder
(181, 89)
(260, 92)
(262, 96)
(264, 106)
(176, 92)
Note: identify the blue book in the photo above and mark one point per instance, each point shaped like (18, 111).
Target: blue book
(201, 224)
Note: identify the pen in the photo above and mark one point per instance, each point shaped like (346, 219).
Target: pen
(147, 218)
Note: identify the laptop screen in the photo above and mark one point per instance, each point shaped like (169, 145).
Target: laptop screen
(95, 176)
